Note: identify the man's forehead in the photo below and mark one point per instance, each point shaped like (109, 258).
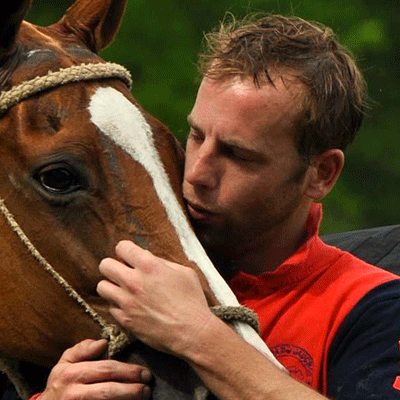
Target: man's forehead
(246, 100)
(243, 115)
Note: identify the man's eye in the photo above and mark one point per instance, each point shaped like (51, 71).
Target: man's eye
(241, 157)
(237, 155)
(196, 136)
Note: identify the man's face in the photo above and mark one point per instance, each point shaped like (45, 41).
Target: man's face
(244, 179)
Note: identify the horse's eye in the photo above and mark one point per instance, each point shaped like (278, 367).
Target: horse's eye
(58, 178)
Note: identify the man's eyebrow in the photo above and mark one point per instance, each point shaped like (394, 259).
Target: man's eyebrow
(194, 126)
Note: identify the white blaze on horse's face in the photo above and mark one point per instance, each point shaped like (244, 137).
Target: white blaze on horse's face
(122, 122)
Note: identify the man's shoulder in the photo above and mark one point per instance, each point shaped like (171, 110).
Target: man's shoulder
(346, 276)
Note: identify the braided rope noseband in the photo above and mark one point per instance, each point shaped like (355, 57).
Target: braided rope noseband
(118, 338)
(76, 73)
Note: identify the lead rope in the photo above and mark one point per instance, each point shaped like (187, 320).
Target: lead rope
(117, 338)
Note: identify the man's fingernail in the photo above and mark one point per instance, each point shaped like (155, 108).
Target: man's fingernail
(146, 376)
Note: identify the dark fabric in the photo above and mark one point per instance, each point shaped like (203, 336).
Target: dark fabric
(377, 246)
(365, 353)
(7, 390)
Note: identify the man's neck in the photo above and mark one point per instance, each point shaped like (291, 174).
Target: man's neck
(265, 253)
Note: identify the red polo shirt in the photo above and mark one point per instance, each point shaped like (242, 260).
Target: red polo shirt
(320, 299)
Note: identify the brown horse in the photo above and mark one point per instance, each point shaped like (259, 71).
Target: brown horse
(83, 166)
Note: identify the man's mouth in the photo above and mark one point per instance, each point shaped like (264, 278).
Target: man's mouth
(200, 213)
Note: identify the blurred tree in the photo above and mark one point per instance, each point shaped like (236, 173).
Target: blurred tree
(159, 41)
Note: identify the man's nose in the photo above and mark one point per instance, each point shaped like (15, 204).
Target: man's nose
(202, 169)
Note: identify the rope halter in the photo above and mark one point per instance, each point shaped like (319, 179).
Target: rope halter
(76, 73)
(118, 339)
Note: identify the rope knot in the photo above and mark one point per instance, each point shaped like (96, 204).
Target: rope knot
(117, 339)
(237, 313)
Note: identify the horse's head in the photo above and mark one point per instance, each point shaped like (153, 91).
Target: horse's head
(82, 167)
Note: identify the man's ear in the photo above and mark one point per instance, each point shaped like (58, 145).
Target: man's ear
(324, 170)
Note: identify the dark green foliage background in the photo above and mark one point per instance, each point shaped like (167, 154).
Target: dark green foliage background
(159, 41)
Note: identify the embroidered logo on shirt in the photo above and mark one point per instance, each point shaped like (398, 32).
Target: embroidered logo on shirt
(296, 360)
(396, 384)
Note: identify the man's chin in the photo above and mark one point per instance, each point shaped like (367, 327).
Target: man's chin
(211, 237)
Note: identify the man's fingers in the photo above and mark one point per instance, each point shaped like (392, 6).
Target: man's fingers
(109, 371)
(114, 270)
(128, 250)
(134, 256)
(80, 375)
(110, 292)
(83, 351)
(112, 391)
(100, 370)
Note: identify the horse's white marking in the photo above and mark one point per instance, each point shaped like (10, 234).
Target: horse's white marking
(121, 121)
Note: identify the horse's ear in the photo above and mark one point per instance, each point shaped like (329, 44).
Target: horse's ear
(10, 21)
(96, 22)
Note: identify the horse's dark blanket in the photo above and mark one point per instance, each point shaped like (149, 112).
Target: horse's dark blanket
(378, 246)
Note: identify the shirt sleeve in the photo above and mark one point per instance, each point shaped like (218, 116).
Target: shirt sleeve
(364, 358)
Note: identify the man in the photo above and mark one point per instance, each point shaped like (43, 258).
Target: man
(279, 102)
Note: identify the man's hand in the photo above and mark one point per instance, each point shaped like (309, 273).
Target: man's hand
(76, 377)
(160, 302)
